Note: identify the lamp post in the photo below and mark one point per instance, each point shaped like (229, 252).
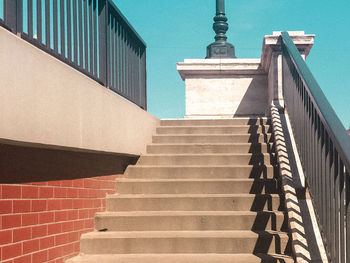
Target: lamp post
(220, 48)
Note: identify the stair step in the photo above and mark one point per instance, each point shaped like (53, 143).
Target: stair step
(195, 202)
(183, 258)
(197, 186)
(238, 129)
(191, 220)
(213, 138)
(209, 148)
(205, 159)
(220, 242)
(192, 171)
(216, 122)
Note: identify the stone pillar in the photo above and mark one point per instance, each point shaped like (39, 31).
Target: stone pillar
(271, 62)
(227, 88)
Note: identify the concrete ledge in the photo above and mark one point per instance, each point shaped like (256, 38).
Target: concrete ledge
(47, 103)
(197, 67)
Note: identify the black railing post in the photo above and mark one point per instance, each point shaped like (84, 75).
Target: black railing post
(103, 44)
(13, 15)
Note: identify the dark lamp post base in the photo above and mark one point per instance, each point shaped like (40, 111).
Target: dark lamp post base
(220, 50)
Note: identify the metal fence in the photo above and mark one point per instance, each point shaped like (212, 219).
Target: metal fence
(324, 149)
(91, 36)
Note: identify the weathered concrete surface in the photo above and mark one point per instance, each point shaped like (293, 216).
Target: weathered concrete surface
(47, 103)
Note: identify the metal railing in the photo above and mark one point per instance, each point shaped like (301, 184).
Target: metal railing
(91, 36)
(324, 149)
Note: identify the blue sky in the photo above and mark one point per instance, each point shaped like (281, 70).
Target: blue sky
(179, 29)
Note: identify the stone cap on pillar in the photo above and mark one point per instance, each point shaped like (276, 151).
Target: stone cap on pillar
(218, 67)
(272, 44)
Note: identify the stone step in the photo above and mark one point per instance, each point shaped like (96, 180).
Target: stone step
(191, 220)
(223, 171)
(205, 159)
(215, 122)
(210, 148)
(197, 186)
(195, 202)
(238, 129)
(220, 242)
(183, 258)
(213, 138)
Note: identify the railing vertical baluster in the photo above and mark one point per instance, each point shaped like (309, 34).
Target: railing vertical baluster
(95, 11)
(47, 24)
(39, 20)
(86, 35)
(337, 205)
(69, 29)
(80, 22)
(11, 15)
(75, 32)
(55, 26)
(113, 77)
(91, 48)
(63, 28)
(103, 43)
(342, 210)
(30, 17)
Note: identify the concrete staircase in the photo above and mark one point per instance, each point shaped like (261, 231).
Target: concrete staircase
(206, 191)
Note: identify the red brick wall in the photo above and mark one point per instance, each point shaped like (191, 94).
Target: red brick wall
(42, 222)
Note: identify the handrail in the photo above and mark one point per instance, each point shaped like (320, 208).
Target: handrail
(324, 148)
(92, 36)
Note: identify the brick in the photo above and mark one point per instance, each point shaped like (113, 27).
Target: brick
(73, 237)
(46, 192)
(78, 203)
(39, 205)
(46, 217)
(30, 246)
(39, 231)
(60, 192)
(84, 213)
(60, 260)
(89, 223)
(67, 226)
(21, 206)
(5, 237)
(11, 221)
(61, 239)
(67, 183)
(30, 192)
(73, 214)
(67, 203)
(5, 207)
(72, 193)
(78, 225)
(91, 183)
(11, 251)
(54, 253)
(24, 259)
(61, 216)
(22, 234)
(11, 191)
(54, 183)
(53, 229)
(77, 247)
(46, 242)
(83, 193)
(30, 219)
(67, 249)
(39, 256)
(54, 204)
(78, 183)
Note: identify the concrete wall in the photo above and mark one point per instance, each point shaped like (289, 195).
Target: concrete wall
(46, 102)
